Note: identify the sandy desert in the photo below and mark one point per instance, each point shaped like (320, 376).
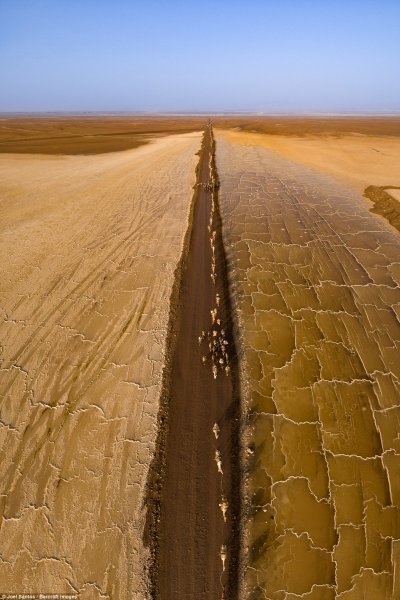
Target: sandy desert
(89, 247)
(316, 278)
(200, 335)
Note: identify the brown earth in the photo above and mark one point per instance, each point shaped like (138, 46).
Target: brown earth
(87, 135)
(107, 133)
(186, 527)
(294, 126)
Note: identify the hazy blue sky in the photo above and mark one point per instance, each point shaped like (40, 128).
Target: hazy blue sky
(214, 55)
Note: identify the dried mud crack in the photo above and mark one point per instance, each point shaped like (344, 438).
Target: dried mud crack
(193, 489)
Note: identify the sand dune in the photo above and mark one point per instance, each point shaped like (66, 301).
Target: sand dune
(88, 251)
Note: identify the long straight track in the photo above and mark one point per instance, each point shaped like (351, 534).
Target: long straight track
(194, 486)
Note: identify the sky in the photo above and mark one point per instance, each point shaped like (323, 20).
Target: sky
(272, 56)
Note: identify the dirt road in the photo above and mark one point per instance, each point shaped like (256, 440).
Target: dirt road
(190, 541)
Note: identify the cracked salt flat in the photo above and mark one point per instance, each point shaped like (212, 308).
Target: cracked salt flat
(315, 279)
(88, 250)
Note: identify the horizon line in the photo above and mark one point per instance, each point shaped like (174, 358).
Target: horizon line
(382, 113)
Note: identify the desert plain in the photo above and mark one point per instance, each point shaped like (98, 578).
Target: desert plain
(98, 227)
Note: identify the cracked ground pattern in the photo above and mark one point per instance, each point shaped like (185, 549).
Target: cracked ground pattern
(315, 277)
(88, 250)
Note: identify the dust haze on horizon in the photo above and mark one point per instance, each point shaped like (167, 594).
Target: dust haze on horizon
(274, 57)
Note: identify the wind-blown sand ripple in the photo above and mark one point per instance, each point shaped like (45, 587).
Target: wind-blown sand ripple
(316, 280)
(88, 252)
